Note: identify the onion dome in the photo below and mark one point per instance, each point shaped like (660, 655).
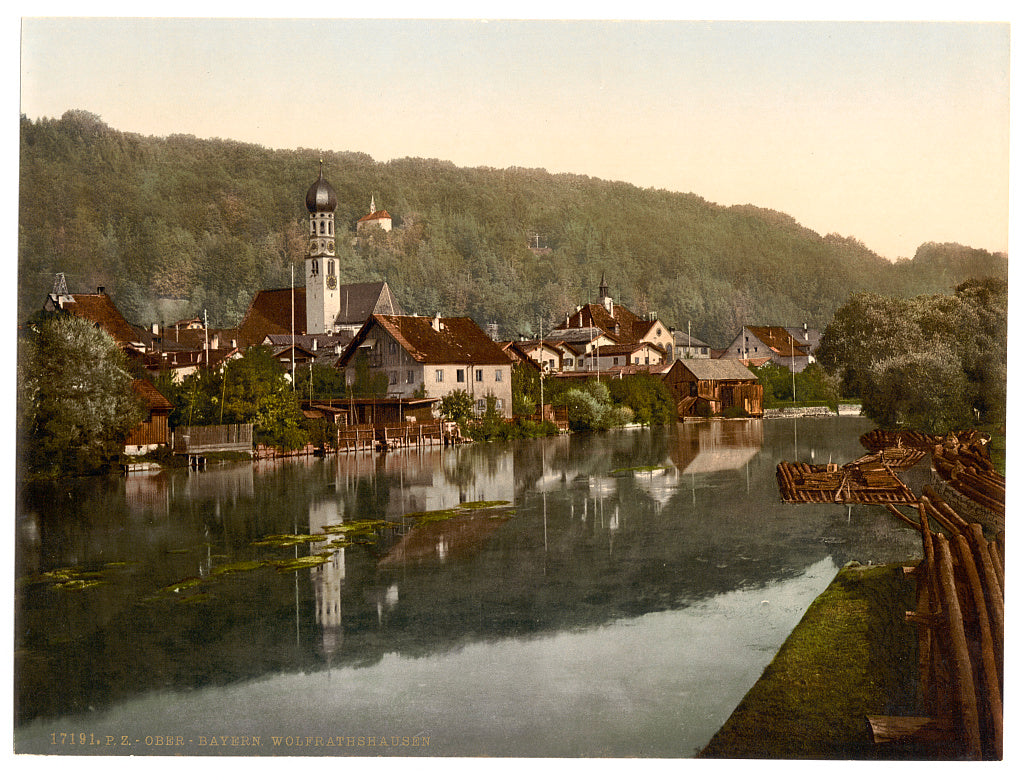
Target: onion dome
(321, 196)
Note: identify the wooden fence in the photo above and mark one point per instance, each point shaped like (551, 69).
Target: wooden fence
(209, 439)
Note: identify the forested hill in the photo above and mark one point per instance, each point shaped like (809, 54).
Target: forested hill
(173, 226)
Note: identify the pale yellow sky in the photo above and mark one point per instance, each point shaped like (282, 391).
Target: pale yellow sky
(895, 133)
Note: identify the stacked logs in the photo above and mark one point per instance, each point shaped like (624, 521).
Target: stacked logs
(861, 482)
(959, 615)
(967, 468)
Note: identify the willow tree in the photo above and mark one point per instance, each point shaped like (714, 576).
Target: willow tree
(75, 400)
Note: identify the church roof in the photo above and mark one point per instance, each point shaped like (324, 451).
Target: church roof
(380, 214)
(362, 299)
(321, 197)
(271, 313)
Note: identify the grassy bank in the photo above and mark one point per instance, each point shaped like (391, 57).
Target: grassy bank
(852, 655)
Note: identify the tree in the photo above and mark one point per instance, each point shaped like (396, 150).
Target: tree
(931, 362)
(456, 405)
(75, 400)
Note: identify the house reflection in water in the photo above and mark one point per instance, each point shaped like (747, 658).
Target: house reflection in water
(717, 445)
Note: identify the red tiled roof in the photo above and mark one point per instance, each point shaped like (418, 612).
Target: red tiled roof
(377, 215)
(98, 308)
(151, 397)
(631, 328)
(459, 340)
(271, 313)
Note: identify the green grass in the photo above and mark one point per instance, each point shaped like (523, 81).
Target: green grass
(852, 655)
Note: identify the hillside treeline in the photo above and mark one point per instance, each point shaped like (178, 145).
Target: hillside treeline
(175, 226)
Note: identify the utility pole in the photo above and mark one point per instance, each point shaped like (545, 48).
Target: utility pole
(292, 267)
(792, 366)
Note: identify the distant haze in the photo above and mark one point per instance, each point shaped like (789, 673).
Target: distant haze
(894, 133)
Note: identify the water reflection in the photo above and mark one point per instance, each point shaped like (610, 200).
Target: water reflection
(598, 532)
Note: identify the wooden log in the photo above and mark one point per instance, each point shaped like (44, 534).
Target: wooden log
(997, 564)
(892, 508)
(989, 672)
(948, 513)
(963, 672)
(992, 589)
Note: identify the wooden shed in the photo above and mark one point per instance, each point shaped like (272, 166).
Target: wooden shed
(154, 430)
(710, 387)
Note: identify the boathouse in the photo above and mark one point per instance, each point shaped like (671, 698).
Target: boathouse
(711, 387)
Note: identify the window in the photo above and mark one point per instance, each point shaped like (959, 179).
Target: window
(460, 375)
(409, 378)
(498, 404)
(315, 266)
(615, 361)
(479, 375)
(497, 375)
(392, 347)
(394, 378)
(568, 362)
(481, 404)
(636, 360)
(439, 375)
(647, 360)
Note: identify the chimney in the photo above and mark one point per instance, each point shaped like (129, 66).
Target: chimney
(155, 328)
(314, 344)
(436, 322)
(100, 289)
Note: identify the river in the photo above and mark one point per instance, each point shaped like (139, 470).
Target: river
(596, 595)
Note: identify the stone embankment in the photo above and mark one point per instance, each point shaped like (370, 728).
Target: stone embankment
(811, 412)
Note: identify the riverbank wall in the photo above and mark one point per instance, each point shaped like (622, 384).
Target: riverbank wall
(811, 412)
(852, 655)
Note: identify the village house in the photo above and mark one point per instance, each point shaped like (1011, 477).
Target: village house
(773, 342)
(576, 345)
(689, 346)
(616, 323)
(544, 354)
(432, 357)
(615, 355)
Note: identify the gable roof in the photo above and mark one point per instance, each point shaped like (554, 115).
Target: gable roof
(717, 369)
(271, 310)
(98, 308)
(271, 313)
(631, 327)
(458, 340)
(380, 214)
(151, 397)
(778, 340)
(362, 299)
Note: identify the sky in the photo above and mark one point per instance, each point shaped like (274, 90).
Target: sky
(893, 133)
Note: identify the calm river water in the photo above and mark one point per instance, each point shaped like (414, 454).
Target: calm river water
(619, 598)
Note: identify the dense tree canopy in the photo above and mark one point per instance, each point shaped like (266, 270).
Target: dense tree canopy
(931, 362)
(175, 226)
(75, 400)
(253, 389)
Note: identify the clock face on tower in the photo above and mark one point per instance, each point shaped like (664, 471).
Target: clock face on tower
(314, 247)
(330, 246)
(332, 281)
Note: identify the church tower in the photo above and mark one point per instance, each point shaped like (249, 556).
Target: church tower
(322, 297)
